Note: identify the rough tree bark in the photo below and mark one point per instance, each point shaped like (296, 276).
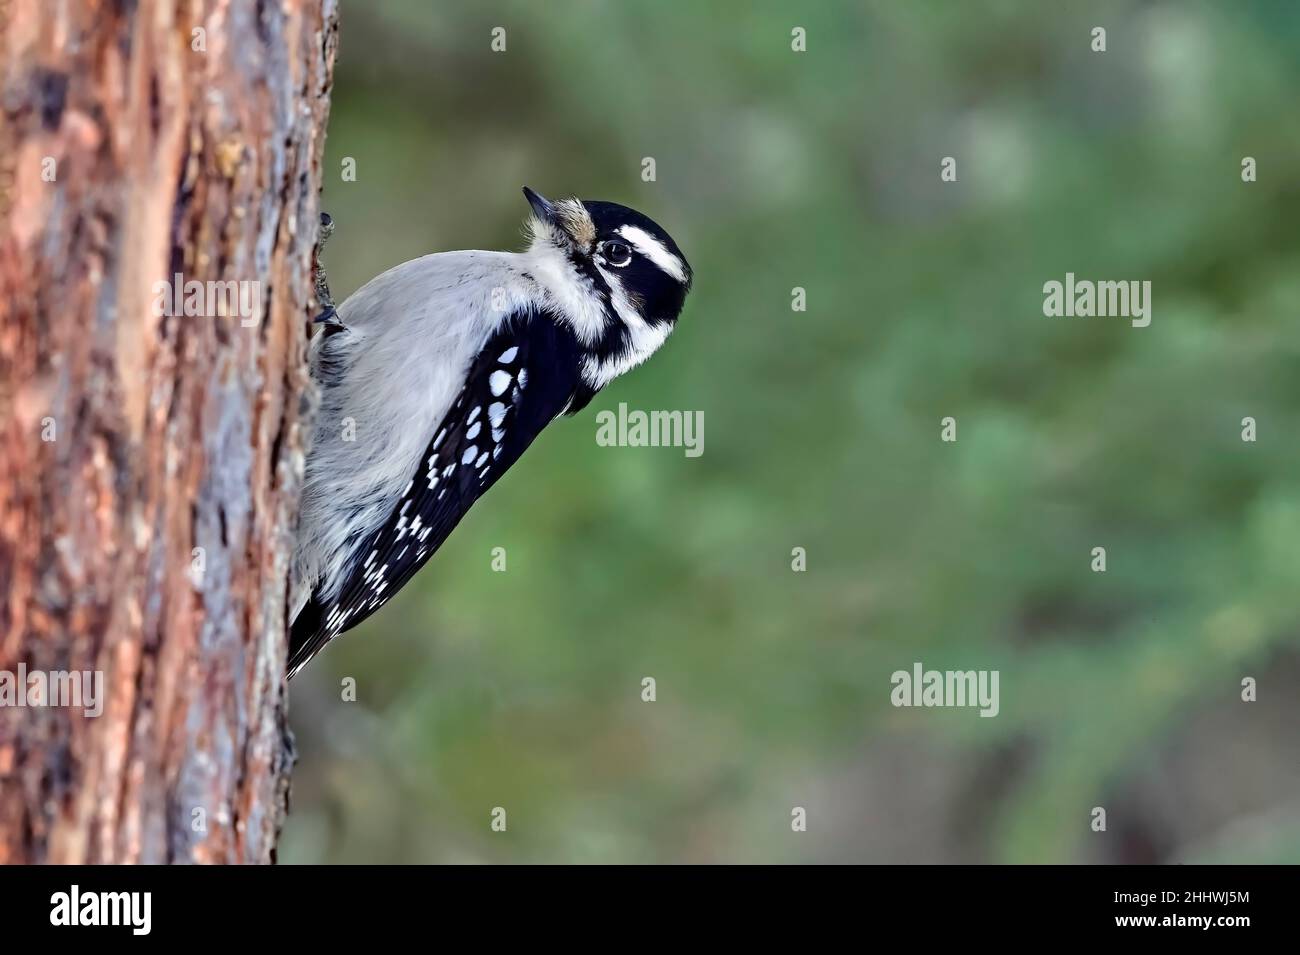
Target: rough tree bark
(149, 464)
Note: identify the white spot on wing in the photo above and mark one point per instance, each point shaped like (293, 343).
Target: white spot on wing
(498, 381)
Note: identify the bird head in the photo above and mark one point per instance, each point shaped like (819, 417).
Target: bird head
(612, 273)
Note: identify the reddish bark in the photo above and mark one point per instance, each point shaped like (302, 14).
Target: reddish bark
(170, 433)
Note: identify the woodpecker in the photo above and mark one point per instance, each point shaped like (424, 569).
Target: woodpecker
(435, 377)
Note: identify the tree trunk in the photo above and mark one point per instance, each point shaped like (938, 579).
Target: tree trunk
(152, 439)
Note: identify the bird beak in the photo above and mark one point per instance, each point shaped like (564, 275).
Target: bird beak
(567, 219)
(542, 207)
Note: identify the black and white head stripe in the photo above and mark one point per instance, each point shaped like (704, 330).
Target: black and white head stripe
(524, 377)
(641, 293)
(655, 250)
(651, 243)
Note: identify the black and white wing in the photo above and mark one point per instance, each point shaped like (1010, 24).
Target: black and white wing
(526, 375)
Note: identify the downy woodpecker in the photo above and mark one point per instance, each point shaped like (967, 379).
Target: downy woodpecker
(436, 376)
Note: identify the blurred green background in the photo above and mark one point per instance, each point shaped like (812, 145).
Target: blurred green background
(820, 170)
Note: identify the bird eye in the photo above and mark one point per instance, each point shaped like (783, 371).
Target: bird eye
(616, 253)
